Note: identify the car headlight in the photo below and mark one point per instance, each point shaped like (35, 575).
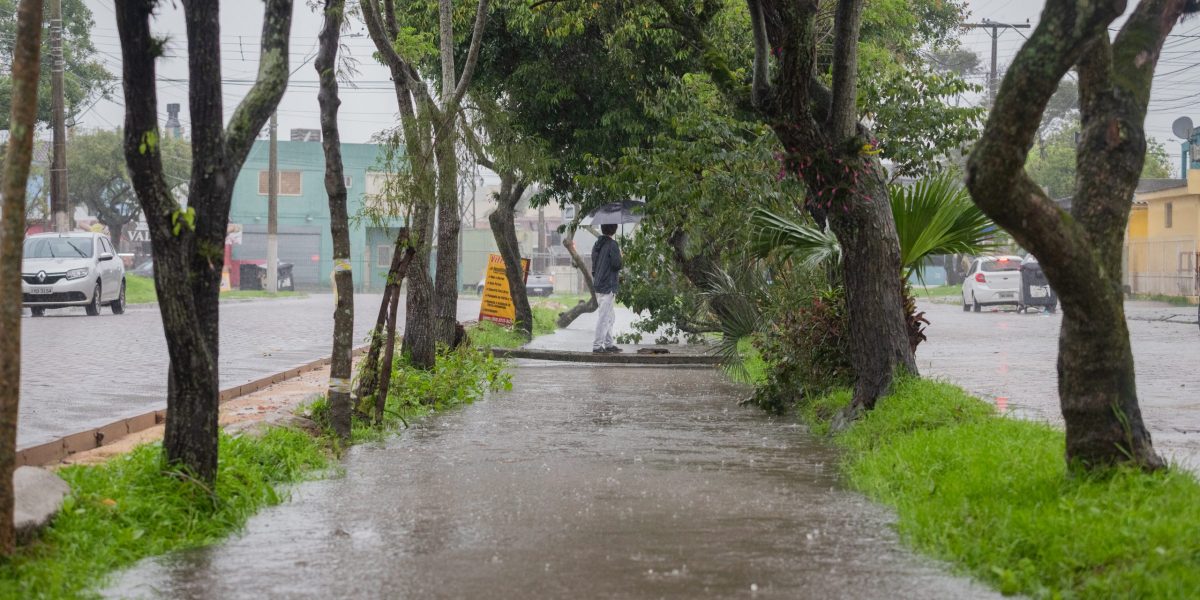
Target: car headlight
(77, 273)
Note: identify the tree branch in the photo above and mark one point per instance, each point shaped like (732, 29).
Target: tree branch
(481, 15)
(760, 89)
(1136, 50)
(714, 63)
(843, 115)
(269, 87)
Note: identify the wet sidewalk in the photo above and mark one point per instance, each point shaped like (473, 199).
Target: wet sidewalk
(583, 482)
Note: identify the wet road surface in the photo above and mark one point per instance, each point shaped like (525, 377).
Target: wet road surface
(80, 372)
(588, 482)
(1001, 353)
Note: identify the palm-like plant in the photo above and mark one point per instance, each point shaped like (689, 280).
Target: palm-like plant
(934, 216)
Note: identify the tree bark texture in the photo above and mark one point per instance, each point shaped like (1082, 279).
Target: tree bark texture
(511, 189)
(449, 225)
(22, 123)
(1081, 251)
(402, 254)
(339, 221)
(188, 244)
(568, 316)
(829, 149)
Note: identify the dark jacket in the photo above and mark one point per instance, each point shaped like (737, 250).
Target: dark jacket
(606, 263)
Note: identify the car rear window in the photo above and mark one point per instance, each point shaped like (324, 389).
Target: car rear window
(991, 266)
(58, 247)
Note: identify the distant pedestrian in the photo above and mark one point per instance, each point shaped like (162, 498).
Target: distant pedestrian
(606, 264)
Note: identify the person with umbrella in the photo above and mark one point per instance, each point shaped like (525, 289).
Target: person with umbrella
(606, 266)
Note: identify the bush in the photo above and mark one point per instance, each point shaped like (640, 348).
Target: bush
(807, 348)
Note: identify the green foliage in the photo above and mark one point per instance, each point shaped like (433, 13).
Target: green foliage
(936, 216)
(802, 243)
(86, 79)
(992, 494)
(136, 506)
(807, 347)
(1051, 163)
(486, 334)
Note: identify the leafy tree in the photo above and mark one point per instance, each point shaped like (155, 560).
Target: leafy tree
(100, 180)
(189, 243)
(22, 118)
(85, 78)
(1081, 251)
(1051, 163)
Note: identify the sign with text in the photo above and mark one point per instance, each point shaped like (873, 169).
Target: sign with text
(497, 304)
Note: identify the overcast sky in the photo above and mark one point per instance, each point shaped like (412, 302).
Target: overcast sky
(372, 106)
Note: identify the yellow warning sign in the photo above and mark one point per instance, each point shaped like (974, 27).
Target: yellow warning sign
(497, 304)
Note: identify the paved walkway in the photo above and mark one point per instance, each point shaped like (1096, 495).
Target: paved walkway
(80, 372)
(1000, 353)
(583, 482)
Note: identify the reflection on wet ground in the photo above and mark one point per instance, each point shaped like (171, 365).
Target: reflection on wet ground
(619, 482)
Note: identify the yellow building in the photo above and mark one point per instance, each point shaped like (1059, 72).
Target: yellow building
(1161, 240)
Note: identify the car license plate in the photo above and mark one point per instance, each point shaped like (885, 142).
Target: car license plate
(45, 289)
(1006, 294)
(1037, 292)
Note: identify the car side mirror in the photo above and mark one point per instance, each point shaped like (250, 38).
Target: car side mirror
(106, 256)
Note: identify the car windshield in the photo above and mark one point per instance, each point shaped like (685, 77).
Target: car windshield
(58, 247)
(991, 266)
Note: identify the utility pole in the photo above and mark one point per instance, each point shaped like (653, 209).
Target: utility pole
(273, 208)
(58, 164)
(995, 27)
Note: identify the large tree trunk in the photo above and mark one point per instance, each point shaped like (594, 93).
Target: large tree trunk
(339, 225)
(12, 238)
(420, 333)
(879, 336)
(1081, 252)
(188, 244)
(505, 232)
(445, 303)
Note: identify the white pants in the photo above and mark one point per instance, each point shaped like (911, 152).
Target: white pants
(604, 321)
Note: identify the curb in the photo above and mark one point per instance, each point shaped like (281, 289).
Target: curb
(56, 450)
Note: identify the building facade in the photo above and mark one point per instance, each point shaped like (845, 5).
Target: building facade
(303, 213)
(1162, 240)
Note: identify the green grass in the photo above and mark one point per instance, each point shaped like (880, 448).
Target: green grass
(752, 369)
(134, 506)
(940, 291)
(486, 334)
(1172, 300)
(140, 290)
(993, 495)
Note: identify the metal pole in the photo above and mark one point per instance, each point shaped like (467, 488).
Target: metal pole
(58, 166)
(273, 209)
(995, 27)
(992, 76)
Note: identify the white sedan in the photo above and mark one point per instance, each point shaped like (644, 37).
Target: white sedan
(992, 281)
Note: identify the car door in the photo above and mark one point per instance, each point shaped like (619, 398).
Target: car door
(109, 283)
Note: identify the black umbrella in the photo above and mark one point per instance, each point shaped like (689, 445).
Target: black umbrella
(617, 213)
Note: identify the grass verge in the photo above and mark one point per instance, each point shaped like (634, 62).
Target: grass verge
(486, 334)
(135, 506)
(1172, 300)
(140, 290)
(993, 495)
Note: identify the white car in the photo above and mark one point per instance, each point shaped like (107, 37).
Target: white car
(992, 281)
(71, 269)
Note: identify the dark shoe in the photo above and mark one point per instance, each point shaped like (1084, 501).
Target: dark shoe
(613, 349)
(600, 350)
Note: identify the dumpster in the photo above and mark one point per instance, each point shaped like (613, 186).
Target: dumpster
(254, 277)
(1035, 288)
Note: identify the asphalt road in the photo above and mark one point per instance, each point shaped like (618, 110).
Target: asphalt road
(80, 372)
(1002, 354)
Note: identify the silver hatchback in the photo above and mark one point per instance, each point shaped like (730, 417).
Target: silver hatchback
(71, 269)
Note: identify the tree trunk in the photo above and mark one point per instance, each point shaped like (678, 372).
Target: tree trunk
(339, 226)
(505, 232)
(368, 381)
(389, 350)
(445, 298)
(12, 238)
(114, 234)
(566, 318)
(420, 335)
(879, 336)
(188, 244)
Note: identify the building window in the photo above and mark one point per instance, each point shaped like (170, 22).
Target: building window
(383, 253)
(1170, 207)
(289, 183)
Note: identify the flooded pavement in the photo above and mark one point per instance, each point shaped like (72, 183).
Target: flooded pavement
(613, 482)
(1003, 354)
